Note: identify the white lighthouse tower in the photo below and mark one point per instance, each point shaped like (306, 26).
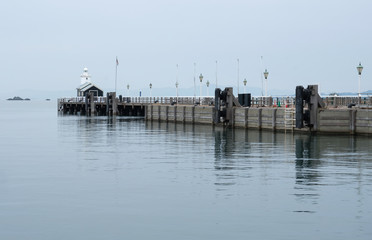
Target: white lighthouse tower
(86, 86)
(85, 77)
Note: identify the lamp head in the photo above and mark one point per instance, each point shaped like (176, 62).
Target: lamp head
(360, 68)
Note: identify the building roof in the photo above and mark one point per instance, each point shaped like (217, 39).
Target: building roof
(86, 86)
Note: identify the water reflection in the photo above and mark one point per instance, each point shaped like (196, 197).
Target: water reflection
(323, 161)
(115, 177)
(307, 160)
(231, 155)
(224, 148)
(224, 145)
(95, 140)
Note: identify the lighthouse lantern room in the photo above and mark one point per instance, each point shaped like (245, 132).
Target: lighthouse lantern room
(85, 76)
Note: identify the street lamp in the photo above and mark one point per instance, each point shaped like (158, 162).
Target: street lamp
(177, 91)
(245, 84)
(177, 84)
(207, 87)
(266, 73)
(216, 75)
(201, 80)
(360, 69)
(194, 81)
(128, 89)
(150, 91)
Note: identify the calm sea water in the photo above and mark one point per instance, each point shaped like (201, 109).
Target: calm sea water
(70, 177)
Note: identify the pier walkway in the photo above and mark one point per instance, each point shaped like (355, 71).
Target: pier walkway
(351, 115)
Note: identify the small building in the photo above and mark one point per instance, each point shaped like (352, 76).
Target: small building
(82, 90)
(87, 86)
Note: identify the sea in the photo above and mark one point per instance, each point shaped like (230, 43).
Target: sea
(77, 177)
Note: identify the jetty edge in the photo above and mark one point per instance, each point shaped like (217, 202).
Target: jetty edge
(307, 112)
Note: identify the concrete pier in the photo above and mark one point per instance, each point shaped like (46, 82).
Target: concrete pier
(348, 121)
(355, 120)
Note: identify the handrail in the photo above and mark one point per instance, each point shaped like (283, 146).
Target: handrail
(288, 102)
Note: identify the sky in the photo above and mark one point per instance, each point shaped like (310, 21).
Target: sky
(46, 44)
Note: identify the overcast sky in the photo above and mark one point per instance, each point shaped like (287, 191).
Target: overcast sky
(46, 44)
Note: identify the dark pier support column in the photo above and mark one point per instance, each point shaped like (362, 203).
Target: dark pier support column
(233, 111)
(151, 112)
(274, 119)
(175, 113)
(166, 113)
(229, 105)
(114, 104)
(352, 121)
(111, 104)
(260, 118)
(193, 114)
(184, 114)
(159, 113)
(92, 104)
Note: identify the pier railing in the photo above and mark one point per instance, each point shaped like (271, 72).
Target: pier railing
(80, 99)
(337, 101)
(169, 100)
(255, 101)
(288, 102)
(273, 102)
(147, 100)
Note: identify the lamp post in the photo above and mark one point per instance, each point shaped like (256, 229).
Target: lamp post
(266, 74)
(177, 91)
(245, 84)
(150, 91)
(194, 81)
(201, 80)
(207, 87)
(216, 75)
(262, 81)
(360, 69)
(177, 84)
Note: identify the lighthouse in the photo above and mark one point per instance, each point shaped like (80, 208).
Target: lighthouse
(86, 86)
(85, 77)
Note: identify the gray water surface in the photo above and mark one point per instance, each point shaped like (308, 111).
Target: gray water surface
(76, 177)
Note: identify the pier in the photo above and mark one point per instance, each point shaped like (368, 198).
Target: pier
(346, 115)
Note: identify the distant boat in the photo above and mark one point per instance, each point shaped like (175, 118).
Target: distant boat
(48, 99)
(16, 98)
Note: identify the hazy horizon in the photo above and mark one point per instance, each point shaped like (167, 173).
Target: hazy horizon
(47, 44)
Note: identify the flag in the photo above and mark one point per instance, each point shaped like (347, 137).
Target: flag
(117, 61)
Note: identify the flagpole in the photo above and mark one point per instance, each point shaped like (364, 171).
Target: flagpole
(262, 81)
(116, 73)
